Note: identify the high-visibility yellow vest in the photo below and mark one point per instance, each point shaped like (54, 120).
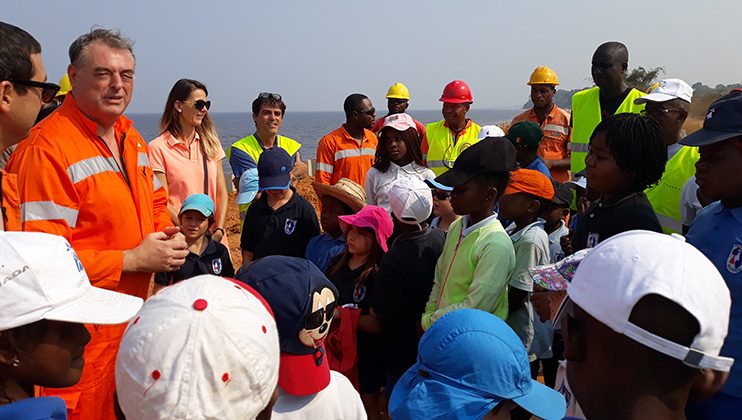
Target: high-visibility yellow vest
(442, 151)
(586, 116)
(252, 147)
(665, 196)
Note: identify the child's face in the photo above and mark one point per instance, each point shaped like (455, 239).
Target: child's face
(359, 240)
(193, 224)
(395, 145)
(517, 206)
(331, 209)
(603, 173)
(275, 194)
(553, 214)
(718, 170)
(56, 359)
(442, 203)
(471, 197)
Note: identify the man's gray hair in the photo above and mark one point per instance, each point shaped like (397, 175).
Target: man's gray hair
(111, 38)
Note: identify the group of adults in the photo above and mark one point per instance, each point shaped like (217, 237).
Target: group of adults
(85, 173)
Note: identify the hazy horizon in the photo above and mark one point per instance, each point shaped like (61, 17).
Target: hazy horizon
(316, 53)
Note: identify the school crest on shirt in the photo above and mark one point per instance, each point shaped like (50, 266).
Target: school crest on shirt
(359, 293)
(216, 265)
(734, 261)
(290, 226)
(592, 240)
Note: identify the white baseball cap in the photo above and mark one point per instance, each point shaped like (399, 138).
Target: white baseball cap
(42, 278)
(668, 89)
(206, 347)
(620, 271)
(411, 200)
(490, 131)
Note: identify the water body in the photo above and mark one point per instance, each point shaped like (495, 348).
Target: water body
(305, 127)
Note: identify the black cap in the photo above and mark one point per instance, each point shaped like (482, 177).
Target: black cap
(492, 155)
(723, 121)
(562, 194)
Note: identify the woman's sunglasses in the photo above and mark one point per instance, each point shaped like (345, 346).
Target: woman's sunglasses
(48, 90)
(441, 195)
(200, 104)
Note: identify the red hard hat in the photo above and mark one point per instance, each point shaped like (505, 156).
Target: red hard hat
(456, 92)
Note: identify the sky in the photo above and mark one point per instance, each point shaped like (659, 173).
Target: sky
(315, 53)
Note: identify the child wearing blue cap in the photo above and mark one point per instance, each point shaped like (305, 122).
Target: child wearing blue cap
(471, 365)
(280, 222)
(205, 256)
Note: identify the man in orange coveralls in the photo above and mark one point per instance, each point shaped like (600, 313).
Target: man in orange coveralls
(83, 173)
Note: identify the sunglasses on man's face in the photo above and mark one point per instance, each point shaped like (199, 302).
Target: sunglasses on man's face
(200, 104)
(268, 95)
(370, 112)
(48, 90)
(318, 317)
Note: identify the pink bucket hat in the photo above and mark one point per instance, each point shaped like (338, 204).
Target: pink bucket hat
(372, 217)
(399, 122)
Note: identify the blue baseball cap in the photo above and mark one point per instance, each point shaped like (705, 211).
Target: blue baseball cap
(468, 362)
(723, 121)
(202, 203)
(274, 169)
(248, 186)
(303, 301)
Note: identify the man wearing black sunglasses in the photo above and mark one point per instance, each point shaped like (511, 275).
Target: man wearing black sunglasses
(84, 174)
(22, 91)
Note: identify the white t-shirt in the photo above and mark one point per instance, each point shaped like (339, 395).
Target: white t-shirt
(378, 183)
(338, 401)
(555, 244)
(689, 204)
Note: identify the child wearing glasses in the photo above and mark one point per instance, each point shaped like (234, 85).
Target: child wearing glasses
(354, 273)
(398, 156)
(186, 157)
(442, 209)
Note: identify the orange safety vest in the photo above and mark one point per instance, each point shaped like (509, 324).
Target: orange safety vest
(10, 201)
(70, 185)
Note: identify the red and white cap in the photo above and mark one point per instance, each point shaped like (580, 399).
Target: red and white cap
(42, 278)
(206, 347)
(620, 271)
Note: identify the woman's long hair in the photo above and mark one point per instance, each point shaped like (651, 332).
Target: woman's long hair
(170, 120)
(371, 266)
(411, 139)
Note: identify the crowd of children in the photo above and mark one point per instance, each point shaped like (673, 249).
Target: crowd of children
(415, 295)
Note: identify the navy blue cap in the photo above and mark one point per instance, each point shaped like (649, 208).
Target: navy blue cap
(274, 169)
(723, 121)
(489, 156)
(562, 194)
(303, 301)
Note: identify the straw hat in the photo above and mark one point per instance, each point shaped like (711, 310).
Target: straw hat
(344, 190)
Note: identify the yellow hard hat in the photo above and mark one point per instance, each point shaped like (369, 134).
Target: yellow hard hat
(543, 76)
(398, 91)
(64, 85)
(654, 86)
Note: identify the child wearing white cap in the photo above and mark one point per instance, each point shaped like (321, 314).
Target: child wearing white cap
(644, 321)
(406, 275)
(46, 297)
(206, 348)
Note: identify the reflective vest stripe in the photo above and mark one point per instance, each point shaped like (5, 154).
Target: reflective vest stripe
(557, 128)
(157, 183)
(586, 116)
(86, 168)
(48, 210)
(579, 147)
(347, 153)
(668, 223)
(142, 159)
(324, 167)
(436, 164)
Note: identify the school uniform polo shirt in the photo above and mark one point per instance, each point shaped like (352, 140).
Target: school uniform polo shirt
(603, 220)
(717, 233)
(539, 165)
(284, 231)
(214, 260)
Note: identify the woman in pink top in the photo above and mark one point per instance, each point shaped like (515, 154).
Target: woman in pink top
(187, 157)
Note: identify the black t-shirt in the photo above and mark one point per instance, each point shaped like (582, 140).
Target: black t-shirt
(608, 106)
(215, 260)
(402, 289)
(603, 220)
(285, 231)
